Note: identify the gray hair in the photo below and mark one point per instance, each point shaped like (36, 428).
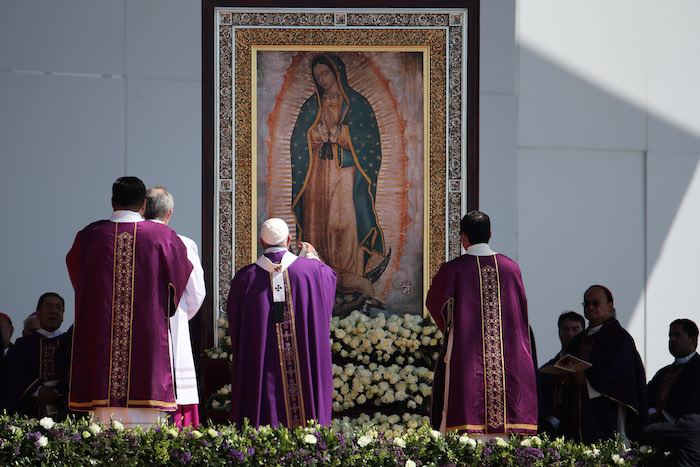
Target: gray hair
(159, 202)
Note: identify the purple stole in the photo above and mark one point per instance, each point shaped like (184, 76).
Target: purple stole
(292, 395)
(128, 278)
(485, 378)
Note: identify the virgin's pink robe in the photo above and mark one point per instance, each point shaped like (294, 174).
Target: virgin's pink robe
(282, 373)
(128, 278)
(492, 388)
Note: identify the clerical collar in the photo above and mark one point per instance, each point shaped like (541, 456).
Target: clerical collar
(480, 249)
(157, 220)
(593, 330)
(46, 333)
(275, 249)
(126, 216)
(682, 360)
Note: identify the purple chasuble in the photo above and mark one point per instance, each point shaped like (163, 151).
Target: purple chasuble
(128, 278)
(282, 372)
(488, 385)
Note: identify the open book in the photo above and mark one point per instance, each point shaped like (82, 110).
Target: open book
(566, 364)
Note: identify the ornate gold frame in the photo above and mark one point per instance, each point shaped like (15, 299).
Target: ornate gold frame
(241, 31)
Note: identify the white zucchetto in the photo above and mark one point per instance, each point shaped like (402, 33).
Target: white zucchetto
(274, 231)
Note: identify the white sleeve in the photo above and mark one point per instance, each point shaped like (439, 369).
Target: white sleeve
(195, 291)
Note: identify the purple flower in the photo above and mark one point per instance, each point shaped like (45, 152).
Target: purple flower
(238, 455)
(186, 457)
(251, 451)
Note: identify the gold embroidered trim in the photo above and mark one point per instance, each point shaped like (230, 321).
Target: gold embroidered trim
(289, 361)
(494, 372)
(122, 308)
(47, 361)
(508, 426)
(95, 403)
(129, 403)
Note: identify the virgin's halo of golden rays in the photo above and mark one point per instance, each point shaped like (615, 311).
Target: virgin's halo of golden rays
(392, 186)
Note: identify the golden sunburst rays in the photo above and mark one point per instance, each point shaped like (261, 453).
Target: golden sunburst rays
(391, 203)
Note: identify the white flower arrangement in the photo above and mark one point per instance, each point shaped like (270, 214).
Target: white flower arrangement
(404, 339)
(393, 426)
(355, 386)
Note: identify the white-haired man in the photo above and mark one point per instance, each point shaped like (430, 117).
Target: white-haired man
(279, 310)
(159, 208)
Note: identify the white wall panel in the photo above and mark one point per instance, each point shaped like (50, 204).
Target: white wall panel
(497, 169)
(70, 36)
(582, 74)
(164, 145)
(674, 73)
(673, 228)
(163, 39)
(498, 64)
(62, 145)
(581, 222)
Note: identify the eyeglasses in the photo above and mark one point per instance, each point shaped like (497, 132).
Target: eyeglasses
(595, 303)
(56, 306)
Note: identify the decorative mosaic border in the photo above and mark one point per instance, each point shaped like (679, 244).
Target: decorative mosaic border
(237, 30)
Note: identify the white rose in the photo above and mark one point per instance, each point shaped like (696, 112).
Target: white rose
(212, 432)
(400, 442)
(95, 428)
(411, 404)
(410, 463)
(310, 439)
(501, 442)
(435, 434)
(86, 434)
(119, 426)
(364, 441)
(196, 434)
(43, 441)
(47, 422)
(617, 459)
(465, 439)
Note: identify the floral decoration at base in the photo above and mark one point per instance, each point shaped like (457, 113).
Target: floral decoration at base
(84, 442)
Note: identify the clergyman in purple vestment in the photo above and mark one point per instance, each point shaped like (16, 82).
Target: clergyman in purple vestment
(485, 378)
(128, 276)
(279, 312)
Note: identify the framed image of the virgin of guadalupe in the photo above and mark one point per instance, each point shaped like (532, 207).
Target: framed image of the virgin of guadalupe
(356, 126)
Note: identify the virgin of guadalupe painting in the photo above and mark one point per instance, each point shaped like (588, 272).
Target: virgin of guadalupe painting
(339, 157)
